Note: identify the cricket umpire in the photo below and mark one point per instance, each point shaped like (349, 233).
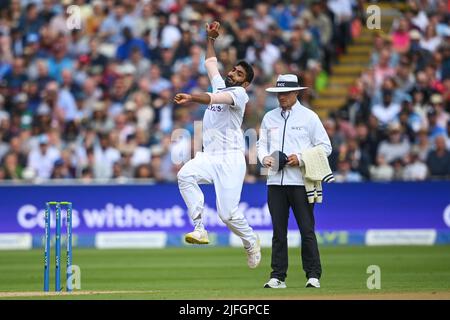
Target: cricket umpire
(285, 133)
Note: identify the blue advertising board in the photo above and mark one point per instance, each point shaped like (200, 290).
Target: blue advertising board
(350, 208)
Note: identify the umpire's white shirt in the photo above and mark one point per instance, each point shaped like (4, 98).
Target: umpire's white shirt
(291, 132)
(222, 123)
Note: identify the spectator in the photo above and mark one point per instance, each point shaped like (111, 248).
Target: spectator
(112, 27)
(96, 18)
(284, 15)
(104, 157)
(374, 136)
(78, 45)
(87, 175)
(418, 16)
(11, 167)
(164, 111)
(434, 129)
(398, 166)
(345, 173)
(336, 138)
(123, 127)
(401, 37)
(264, 51)
(438, 160)
(420, 56)
(59, 171)
(342, 10)
(442, 116)
(415, 170)
(100, 121)
(141, 153)
(343, 125)
(358, 159)
(396, 146)
(358, 105)
(383, 69)
(389, 85)
(409, 119)
(143, 172)
(170, 34)
(166, 62)
(183, 49)
(445, 66)
(17, 77)
(322, 29)
(60, 60)
(157, 82)
(262, 18)
(383, 42)
(96, 58)
(422, 144)
(241, 33)
(387, 111)
(6, 55)
(404, 77)
(47, 11)
(58, 23)
(19, 148)
(382, 171)
(67, 107)
(31, 21)
(92, 94)
(39, 72)
(148, 20)
(17, 44)
(68, 163)
(378, 45)
(367, 147)
(431, 40)
(42, 158)
(129, 44)
(140, 64)
(420, 105)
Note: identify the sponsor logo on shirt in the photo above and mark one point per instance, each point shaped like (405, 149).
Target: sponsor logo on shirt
(217, 108)
(301, 130)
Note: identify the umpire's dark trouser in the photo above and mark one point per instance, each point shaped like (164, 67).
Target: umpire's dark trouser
(280, 199)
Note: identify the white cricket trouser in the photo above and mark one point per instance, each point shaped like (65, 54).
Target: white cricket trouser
(227, 173)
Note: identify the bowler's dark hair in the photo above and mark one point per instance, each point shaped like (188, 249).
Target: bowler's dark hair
(248, 70)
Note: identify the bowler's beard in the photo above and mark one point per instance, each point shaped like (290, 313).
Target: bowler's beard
(229, 83)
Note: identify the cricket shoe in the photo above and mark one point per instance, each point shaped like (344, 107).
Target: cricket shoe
(254, 254)
(275, 284)
(313, 283)
(198, 236)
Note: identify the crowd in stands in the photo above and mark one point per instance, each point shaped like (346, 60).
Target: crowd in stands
(86, 92)
(395, 124)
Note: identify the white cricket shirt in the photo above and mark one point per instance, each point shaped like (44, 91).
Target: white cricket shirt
(290, 132)
(222, 123)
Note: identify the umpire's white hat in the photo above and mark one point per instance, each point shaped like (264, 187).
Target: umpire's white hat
(285, 83)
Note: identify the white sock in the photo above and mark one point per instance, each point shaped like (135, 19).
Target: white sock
(198, 223)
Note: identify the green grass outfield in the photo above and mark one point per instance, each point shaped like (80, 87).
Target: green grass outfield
(222, 273)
